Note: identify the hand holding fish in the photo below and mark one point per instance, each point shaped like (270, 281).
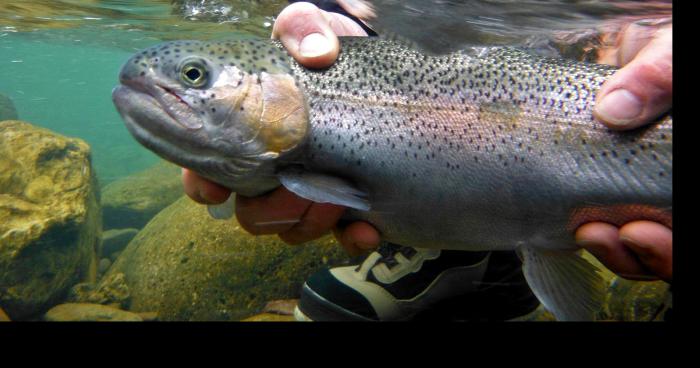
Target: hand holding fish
(637, 248)
(310, 34)
(632, 97)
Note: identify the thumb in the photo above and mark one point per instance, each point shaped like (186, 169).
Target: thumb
(307, 35)
(642, 90)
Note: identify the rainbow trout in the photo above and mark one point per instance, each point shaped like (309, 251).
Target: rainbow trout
(483, 149)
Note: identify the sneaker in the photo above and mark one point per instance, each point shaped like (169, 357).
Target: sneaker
(398, 283)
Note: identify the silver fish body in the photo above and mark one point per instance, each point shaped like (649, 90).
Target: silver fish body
(487, 150)
(484, 149)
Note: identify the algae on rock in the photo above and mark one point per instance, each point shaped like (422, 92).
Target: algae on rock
(50, 221)
(184, 265)
(111, 290)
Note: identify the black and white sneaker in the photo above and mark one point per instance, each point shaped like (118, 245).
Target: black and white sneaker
(398, 283)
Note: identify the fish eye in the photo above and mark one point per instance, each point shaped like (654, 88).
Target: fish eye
(194, 74)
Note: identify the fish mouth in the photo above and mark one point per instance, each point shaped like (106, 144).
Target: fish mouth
(153, 96)
(157, 127)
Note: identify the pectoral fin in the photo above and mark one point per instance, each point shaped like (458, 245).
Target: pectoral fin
(568, 286)
(324, 189)
(224, 210)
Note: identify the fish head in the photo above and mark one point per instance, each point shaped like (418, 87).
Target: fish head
(227, 110)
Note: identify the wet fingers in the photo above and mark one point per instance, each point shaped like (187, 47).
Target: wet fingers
(653, 245)
(306, 34)
(202, 190)
(642, 90)
(317, 221)
(602, 240)
(357, 238)
(272, 213)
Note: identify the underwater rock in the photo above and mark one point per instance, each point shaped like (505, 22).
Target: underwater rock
(50, 221)
(148, 316)
(103, 266)
(84, 312)
(7, 109)
(187, 266)
(3, 316)
(132, 201)
(115, 240)
(283, 306)
(112, 290)
(113, 256)
(276, 311)
(631, 300)
(269, 317)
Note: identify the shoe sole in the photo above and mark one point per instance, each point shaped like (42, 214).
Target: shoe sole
(323, 310)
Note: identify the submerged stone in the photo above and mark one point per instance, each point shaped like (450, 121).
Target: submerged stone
(103, 266)
(132, 201)
(7, 109)
(112, 290)
(269, 317)
(638, 300)
(3, 316)
(85, 312)
(283, 306)
(50, 221)
(115, 240)
(184, 265)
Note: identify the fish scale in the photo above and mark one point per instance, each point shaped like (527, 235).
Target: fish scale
(501, 132)
(489, 148)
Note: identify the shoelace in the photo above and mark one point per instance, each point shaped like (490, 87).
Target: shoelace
(386, 253)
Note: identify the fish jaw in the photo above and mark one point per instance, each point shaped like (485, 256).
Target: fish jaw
(166, 97)
(150, 123)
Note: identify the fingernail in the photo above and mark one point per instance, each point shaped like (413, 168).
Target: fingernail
(619, 107)
(314, 45)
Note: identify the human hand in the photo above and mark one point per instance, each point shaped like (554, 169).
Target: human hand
(642, 89)
(310, 36)
(634, 96)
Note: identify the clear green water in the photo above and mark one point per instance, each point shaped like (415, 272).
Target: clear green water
(65, 86)
(62, 78)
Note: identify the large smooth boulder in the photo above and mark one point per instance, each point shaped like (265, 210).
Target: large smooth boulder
(50, 221)
(7, 109)
(132, 201)
(184, 265)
